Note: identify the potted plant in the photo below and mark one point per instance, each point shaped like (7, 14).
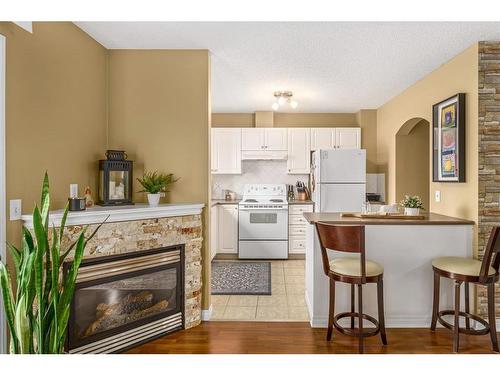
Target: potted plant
(38, 309)
(155, 183)
(412, 205)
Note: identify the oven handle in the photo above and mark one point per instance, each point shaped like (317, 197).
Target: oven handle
(263, 209)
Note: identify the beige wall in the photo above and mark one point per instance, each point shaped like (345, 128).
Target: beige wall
(412, 163)
(458, 75)
(366, 119)
(55, 112)
(159, 112)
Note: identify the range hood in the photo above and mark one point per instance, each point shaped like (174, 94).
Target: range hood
(264, 155)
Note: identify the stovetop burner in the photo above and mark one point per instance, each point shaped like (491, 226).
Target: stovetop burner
(276, 200)
(251, 200)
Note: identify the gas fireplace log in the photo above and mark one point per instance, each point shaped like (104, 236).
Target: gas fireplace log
(109, 318)
(140, 301)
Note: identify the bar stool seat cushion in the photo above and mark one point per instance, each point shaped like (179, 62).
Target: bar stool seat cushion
(461, 266)
(352, 267)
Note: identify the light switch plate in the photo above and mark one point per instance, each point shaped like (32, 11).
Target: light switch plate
(15, 209)
(437, 195)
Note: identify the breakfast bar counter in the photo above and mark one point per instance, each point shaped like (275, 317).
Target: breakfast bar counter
(405, 248)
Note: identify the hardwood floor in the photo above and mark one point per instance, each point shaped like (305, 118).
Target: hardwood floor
(300, 338)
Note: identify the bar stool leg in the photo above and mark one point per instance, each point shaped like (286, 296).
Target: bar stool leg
(360, 318)
(331, 311)
(467, 320)
(352, 305)
(457, 310)
(381, 319)
(435, 303)
(491, 316)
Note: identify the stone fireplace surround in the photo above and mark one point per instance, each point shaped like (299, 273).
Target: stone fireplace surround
(140, 227)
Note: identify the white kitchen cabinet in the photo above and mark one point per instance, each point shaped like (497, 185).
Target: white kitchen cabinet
(214, 232)
(264, 139)
(328, 138)
(299, 151)
(348, 138)
(226, 151)
(297, 228)
(276, 139)
(322, 138)
(228, 229)
(252, 139)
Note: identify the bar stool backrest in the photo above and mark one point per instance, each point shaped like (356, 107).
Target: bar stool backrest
(491, 254)
(344, 238)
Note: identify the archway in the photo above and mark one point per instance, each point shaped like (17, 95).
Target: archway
(412, 160)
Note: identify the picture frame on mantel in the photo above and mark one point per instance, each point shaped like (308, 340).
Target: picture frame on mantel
(448, 139)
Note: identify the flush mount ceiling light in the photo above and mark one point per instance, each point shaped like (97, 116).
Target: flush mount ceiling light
(283, 97)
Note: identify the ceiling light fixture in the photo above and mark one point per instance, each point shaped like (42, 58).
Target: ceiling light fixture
(283, 97)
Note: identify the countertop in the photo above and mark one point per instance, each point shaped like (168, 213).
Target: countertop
(300, 202)
(431, 219)
(214, 202)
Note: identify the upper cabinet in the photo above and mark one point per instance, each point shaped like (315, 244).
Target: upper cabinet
(348, 138)
(322, 138)
(226, 151)
(299, 151)
(264, 139)
(328, 138)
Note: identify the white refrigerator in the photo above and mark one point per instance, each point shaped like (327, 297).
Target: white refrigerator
(338, 180)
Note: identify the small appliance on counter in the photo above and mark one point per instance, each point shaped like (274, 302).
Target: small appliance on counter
(229, 195)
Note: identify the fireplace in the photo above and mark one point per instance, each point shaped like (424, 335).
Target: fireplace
(124, 300)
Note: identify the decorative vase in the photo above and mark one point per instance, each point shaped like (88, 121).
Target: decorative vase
(412, 211)
(154, 199)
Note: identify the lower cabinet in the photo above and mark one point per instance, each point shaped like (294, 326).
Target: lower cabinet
(297, 227)
(227, 229)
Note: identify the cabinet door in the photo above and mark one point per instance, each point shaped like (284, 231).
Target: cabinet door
(348, 138)
(322, 138)
(228, 229)
(276, 139)
(252, 139)
(299, 151)
(214, 233)
(226, 151)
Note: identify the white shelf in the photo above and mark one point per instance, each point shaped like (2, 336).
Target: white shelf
(98, 214)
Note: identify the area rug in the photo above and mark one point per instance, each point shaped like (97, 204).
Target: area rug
(242, 278)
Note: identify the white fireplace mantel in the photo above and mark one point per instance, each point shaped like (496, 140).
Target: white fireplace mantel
(98, 214)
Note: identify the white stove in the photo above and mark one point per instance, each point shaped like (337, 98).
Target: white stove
(263, 222)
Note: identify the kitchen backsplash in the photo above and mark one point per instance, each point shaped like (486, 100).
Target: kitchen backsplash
(254, 172)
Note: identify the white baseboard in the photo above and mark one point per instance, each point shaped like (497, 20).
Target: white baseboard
(206, 314)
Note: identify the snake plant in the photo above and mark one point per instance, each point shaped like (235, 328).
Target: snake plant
(38, 311)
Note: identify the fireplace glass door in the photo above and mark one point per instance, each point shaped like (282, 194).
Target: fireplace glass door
(107, 306)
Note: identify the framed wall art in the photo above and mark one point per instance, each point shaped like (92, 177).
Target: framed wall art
(448, 140)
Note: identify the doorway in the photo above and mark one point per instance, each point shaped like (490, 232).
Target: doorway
(412, 160)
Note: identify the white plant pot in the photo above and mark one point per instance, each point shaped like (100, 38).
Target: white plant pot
(412, 211)
(154, 199)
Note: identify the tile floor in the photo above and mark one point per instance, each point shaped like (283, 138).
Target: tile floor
(286, 302)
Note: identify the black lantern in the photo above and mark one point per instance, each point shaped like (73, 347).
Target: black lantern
(115, 179)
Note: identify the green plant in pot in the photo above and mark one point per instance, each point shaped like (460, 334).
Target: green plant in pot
(412, 205)
(154, 184)
(38, 312)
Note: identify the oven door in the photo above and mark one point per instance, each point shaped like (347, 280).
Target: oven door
(263, 224)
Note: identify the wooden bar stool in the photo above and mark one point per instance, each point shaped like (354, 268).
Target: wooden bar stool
(466, 270)
(354, 271)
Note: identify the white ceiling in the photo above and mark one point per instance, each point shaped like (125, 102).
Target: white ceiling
(330, 66)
